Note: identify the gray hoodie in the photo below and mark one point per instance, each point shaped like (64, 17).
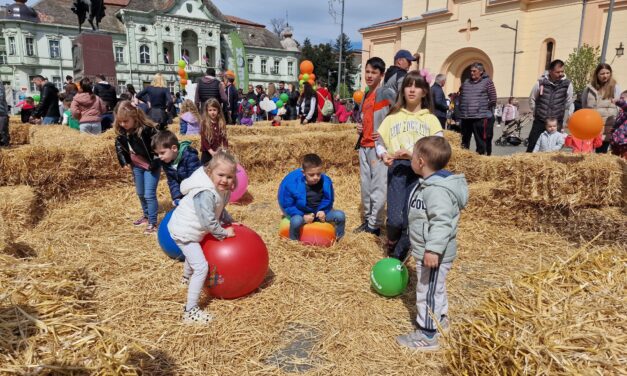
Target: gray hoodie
(434, 208)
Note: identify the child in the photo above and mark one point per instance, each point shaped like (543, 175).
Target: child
(550, 139)
(306, 195)
(88, 108)
(410, 120)
(190, 118)
(179, 161)
(201, 212)
(27, 106)
(583, 146)
(619, 134)
(372, 171)
(212, 130)
(434, 208)
(67, 115)
(247, 112)
(133, 145)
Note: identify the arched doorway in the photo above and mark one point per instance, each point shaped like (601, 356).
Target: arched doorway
(189, 46)
(457, 66)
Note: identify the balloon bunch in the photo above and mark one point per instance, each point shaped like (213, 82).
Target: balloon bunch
(307, 74)
(183, 73)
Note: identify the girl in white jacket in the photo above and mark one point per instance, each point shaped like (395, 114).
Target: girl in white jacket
(201, 212)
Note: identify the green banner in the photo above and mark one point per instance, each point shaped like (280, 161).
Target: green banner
(241, 64)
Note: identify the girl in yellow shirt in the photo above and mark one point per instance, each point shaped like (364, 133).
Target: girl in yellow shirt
(409, 120)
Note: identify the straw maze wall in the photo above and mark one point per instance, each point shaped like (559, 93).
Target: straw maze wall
(66, 207)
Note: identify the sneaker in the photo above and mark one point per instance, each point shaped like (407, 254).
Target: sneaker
(196, 316)
(373, 231)
(184, 281)
(141, 221)
(150, 229)
(417, 340)
(444, 323)
(361, 228)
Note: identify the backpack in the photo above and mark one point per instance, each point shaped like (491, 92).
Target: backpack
(327, 108)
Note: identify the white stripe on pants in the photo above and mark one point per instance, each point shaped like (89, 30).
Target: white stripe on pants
(196, 269)
(91, 128)
(373, 176)
(431, 296)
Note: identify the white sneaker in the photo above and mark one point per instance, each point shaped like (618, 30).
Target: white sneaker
(197, 316)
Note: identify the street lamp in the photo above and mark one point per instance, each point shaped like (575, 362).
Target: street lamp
(505, 26)
(620, 50)
(329, 77)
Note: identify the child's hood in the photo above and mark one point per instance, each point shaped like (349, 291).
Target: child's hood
(456, 184)
(198, 181)
(417, 114)
(85, 99)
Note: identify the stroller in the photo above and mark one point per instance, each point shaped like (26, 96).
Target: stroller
(511, 133)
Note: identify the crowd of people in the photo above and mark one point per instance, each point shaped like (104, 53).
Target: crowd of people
(402, 157)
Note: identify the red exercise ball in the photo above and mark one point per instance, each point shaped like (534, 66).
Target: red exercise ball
(237, 266)
(585, 124)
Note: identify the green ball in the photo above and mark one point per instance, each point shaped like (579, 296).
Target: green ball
(284, 97)
(389, 277)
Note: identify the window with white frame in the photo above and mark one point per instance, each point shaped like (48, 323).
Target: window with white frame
(55, 49)
(171, 86)
(11, 46)
(121, 87)
(277, 66)
(144, 54)
(251, 64)
(264, 66)
(56, 80)
(119, 54)
(30, 47)
(290, 67)
(3, 52)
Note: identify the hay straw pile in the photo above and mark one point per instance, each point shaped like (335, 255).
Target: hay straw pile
(315, 313)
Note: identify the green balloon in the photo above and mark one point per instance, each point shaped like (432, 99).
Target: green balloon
(182, 63)
(389, 277)
(251, 101)
(306, 77)
(284, 97)
(302, 82)
(279, 103)
(36, 97)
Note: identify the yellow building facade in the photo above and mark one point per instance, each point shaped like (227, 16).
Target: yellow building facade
(449, 35)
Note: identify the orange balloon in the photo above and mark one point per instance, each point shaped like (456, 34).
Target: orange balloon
(585, 124)
(230, 74)
(306, 67)
(312, 76)
(311, 82)
(182, 72)
(358, 96)
(300, 77)
(183, 82)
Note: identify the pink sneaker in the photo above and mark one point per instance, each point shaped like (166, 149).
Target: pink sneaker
(150, 229)
(141, 221)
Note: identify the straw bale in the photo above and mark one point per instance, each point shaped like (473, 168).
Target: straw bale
(19, 134)
(19, 209)
(49, 325)
(566, 319)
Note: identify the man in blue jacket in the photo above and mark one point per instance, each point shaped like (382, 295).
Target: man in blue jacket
(179, 161)
(306, 195)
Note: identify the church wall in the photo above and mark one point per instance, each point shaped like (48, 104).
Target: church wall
(617, 35)
(414, 8)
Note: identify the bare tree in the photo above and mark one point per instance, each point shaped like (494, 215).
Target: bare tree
(278, 24)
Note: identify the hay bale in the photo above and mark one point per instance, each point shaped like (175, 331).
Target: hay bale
(19, 210)
(19, 133)
(49, 325)
(564, 320)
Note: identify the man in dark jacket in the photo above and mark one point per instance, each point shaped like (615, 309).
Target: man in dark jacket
(232, 97)
(108, 94)
(439, 99)
(178, 159)
(48, 108)
(395, 74)
(476, 109)
(209, 87)
(4, 119)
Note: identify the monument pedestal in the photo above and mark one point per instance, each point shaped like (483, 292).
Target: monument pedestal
(92, 54)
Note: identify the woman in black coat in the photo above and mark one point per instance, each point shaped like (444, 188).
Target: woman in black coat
(159, 99)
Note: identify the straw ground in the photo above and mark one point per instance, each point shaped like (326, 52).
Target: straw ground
(320, 297)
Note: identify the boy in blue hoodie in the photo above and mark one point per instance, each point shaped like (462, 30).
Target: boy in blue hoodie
(179, 161)
(433, 213)
(306, 195)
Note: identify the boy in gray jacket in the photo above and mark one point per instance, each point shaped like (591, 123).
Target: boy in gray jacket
(433, 213)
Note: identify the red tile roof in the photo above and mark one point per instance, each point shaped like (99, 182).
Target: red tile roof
(242, 21)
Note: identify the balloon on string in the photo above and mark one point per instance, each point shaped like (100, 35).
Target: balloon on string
(284, 97)
(279, 103)
(251, 101)
(181, 72)
(311, 82)
(36, 97)
(301, 82)
(275, 99)
(312, 76)
(585, 124)
(306, 76)
(358, 96)
(300, 77)
(182, 63)
(183, 81)
(306, 67)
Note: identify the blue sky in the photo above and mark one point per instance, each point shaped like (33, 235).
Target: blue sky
(309, 18)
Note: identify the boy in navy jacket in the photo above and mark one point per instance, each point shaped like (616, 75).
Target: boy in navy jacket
(179, 161)
(306, 195)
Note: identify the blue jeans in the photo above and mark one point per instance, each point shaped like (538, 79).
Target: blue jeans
(48, 120)
(336, 217)
(146, 188)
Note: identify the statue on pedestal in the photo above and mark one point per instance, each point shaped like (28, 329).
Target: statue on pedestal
(90, 10)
